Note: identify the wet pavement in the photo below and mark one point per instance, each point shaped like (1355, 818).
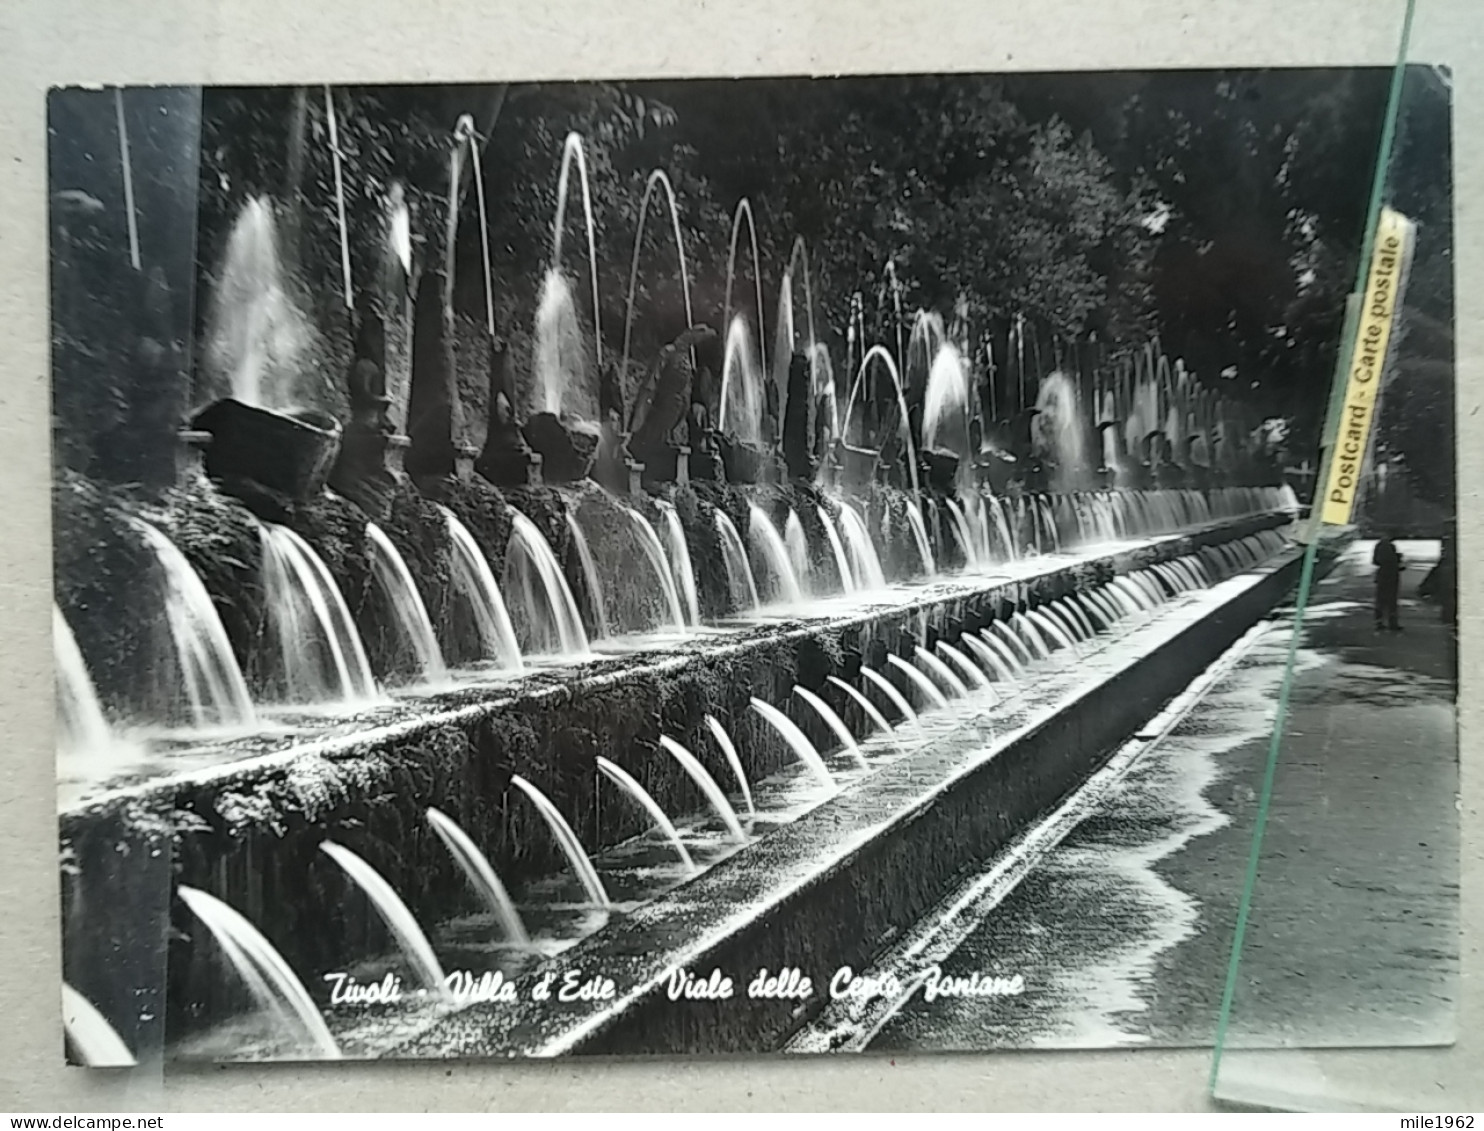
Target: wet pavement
(1121, 932)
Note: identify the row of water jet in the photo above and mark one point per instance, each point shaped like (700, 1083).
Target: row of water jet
(998, 655)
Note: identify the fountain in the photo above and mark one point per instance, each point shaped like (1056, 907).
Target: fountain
(590, 576)
(322, 657)
(743, 398)
(82, 727)
(769, 547)
(895, 697)
(797, 545)
(729, 752)
(257, 339)
(714, 796)
(744, 211)
(274, 987)
(681, 567)
(548, 611)
(654, 552)
(929, 690)
(740, 582)
(848, 582)
(657, 180)
(876, 717)
(473, 579)
(941, 670)
(406, 606)
(835, 723)
(212, 679)
(394, 913)
(864, 564)
(637, 792)
(797, 741)
(481, 876)
(567, 840)
(962, 662)
(91, 1037)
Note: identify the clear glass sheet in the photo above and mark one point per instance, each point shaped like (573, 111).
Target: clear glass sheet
(1344, 988)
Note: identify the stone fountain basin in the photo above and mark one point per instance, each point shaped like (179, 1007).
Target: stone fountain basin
(242, 817)
(834, 887)
(291, 453)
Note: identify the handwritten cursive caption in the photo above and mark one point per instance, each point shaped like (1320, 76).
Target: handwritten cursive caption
(789, 983)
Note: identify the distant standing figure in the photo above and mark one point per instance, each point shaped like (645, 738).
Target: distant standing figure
(1388, 562)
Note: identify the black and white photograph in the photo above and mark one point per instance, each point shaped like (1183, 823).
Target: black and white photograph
(754, 566)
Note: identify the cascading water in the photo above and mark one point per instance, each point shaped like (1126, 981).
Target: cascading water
(837, 548)
(394, 913)
(213, 682)
(941, 670)
(962, 662)
(926, 686)
(92, 1038)
(567, 840)
(896, 698)
(267, 976)
(619, 777)
(681, 566)
(321, 654)
(481, 876)
(768, 544)
(864, 563)
(876, 717)
(835, 723)
(654, 552)
(590, 576)
(540, 593)
(729, 752)
(798, 547)
(740, 582)
(797, 741)
(920, 537)
(406, 605)
(707, 784)
(473, 578)
(81, 724)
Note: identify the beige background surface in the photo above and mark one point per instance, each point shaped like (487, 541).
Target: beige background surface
(46, 42)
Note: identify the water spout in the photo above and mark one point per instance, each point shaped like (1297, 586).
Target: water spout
(473, 578)
(407, 608)
(865, 563)
(680, 563)
(481, 876)
(928, 688)
(941, 670)
(729, 751)
(769, 546)
(323, 659)
(649, 542)
(797, 741)
(876, 717)
(740, 583)
(898, 700)
(82, 727)
(964, 664)
(92, 1038)
(590, 576)
(708, 786)
(268, 977)
(394, 913)
(213, 680)
(837, 547)
(835, 723)
(636, 791)
(567, 841)
(533, 573)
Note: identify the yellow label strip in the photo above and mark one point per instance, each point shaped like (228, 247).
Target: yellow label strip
(1368, 361)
